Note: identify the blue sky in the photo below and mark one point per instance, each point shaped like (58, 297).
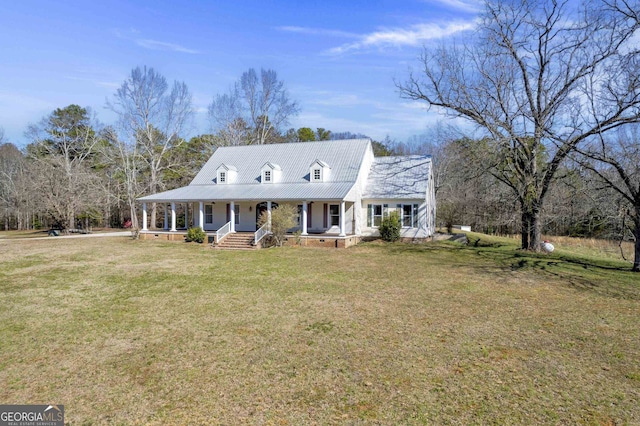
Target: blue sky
(338, 59)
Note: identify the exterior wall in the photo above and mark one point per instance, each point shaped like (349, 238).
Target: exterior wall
(423, 229)
(358, 189)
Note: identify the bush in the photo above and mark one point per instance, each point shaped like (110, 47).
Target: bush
(283, 218)
(390, 227)
(196, 234)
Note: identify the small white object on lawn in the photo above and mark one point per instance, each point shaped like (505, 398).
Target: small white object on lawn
(547, 247)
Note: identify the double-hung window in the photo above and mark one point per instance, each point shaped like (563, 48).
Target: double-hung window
(334, 214)
(208, 213)
(223, 177)
(375, 213)
(236, 213)
(408, 215)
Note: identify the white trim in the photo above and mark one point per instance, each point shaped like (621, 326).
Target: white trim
(173, 218)
(144, 216)
(304, 218)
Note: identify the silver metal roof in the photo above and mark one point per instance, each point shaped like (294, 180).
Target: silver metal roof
(294, 159)
(398, 177)
(343, 156)
(267, 192)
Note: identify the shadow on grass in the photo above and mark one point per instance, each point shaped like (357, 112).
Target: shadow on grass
(504, 258)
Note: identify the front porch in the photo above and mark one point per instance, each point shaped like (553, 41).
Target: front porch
(314, 217)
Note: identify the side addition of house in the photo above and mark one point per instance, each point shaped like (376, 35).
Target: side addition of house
(341, 191)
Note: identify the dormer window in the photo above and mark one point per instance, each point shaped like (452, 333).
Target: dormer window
(319, 171)
(226, 174)
(270, 173)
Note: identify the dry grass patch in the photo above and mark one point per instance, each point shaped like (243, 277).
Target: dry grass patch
(146, 332)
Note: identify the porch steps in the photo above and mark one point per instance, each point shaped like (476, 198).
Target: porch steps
(237, 241)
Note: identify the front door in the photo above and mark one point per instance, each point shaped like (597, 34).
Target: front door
(261, 208)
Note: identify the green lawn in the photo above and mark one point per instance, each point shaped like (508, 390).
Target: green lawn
(149, 332)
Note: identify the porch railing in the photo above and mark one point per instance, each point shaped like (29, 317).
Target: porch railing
(261, 233)
(223, 232)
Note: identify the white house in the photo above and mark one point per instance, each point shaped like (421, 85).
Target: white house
(342, 191)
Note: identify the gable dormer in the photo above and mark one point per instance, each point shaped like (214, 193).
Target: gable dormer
(270, 173)
(226, 174)
(319, 171)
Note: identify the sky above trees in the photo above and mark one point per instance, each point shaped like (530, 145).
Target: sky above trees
(338, 59)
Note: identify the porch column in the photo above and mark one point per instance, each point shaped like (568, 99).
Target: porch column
(269, 215)
(232, 213)
(342, 214)
(201, 215)
(144, 217)
(304, 218)
(166, 216)
(173, 217)
(186, 215)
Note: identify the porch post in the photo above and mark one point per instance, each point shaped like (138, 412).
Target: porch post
(342, 214)
(186, 215)
(304, 218)
(201, 216)
(166, 216)
(144, 216)
(173, 217)
(269, 215)
(232, 213)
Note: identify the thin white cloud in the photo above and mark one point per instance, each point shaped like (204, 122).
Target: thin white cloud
(317, 31)
(133, 34)
(466, 5)
(161, 45)
(414, 36)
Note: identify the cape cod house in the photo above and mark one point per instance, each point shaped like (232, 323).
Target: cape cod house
(341, 190)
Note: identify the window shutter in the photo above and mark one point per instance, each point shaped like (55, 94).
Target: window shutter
(369, 214)
(309, 209)
(228, 212)
(415, 215)
(326, 214)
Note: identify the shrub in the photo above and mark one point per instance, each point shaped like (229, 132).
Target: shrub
(390, 227)
(283, 218)
(196, 234)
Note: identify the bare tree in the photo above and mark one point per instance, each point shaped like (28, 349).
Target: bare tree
(526, 80)
(63, 146)
(12, 167)
(617, 165)
(151, 119)
(254, 110)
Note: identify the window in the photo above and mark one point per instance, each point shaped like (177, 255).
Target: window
(409, 215)
(208, 213)
(236, 213)
(316, 174)
(334, 215)
(223, 177)
(267, 175)
(299, 217)
(375, 213)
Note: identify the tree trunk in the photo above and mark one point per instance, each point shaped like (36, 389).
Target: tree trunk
(636, 259)
(153, 216)
(531, 227)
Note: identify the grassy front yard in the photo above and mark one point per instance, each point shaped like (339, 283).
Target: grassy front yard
(131, 332)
